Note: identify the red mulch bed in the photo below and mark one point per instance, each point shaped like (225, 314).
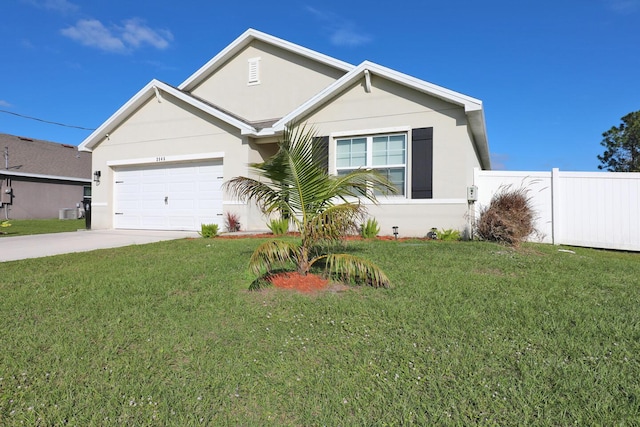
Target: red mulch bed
(296, 281)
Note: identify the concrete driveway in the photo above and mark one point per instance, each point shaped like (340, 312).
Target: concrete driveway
(41, 245)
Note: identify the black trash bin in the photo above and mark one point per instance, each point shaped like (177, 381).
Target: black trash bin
(86, 204)
(87, 212)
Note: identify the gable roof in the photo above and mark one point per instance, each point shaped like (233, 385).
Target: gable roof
(154, 89)
(244, 40)
(472, 107)
(35, 158)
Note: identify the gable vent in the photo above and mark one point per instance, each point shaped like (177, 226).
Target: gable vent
(254, 71)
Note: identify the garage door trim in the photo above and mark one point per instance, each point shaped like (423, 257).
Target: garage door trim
(166, 159)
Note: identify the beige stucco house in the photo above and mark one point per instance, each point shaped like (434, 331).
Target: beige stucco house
(164, 155)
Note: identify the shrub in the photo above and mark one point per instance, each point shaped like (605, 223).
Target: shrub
(449, 234)
(4, 224)
(232, 222)
(508, 219)
(209, 230)
(370, 229)
(279, 226)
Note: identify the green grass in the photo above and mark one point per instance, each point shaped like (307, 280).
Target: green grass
(23, 227)
(469, 334)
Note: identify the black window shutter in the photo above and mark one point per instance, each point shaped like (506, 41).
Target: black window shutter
(422, 163)
(321, 152)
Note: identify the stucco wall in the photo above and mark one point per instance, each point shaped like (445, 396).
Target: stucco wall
(391, 106)
(286, 81)
(163, 132)
(416, 218)
(41, 199)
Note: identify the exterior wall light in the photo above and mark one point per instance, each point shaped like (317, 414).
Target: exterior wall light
(96, 177)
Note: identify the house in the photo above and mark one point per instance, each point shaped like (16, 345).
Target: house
(39, 178)
(164, 155)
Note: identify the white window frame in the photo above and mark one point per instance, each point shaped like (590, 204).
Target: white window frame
(369, 135)
(254, 71)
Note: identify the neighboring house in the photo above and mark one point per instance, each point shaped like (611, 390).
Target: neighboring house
(39, 178)
(164, 155)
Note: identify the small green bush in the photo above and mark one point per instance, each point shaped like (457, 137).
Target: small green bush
(279, 227)
(449, 234)
(370, 229)
(209, 230)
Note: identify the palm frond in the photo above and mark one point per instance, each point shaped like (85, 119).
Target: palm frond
(298, 186)
(350, 268)
(264, 195)
(308, 181)
(334, 222)
(362, 183)
(272, 255)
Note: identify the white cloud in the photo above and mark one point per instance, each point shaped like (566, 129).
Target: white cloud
(624, 6)
(342, 31)
(132, 35)
(348, 37)
(63, 6)
(91, 32)
(4, 103)
(135, 33)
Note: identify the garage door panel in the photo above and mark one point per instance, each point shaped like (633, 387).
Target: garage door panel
(193, 196)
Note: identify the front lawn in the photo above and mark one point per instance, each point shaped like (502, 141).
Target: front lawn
(23, 227)
(469, 334)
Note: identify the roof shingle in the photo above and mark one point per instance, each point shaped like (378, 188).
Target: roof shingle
(34, 156)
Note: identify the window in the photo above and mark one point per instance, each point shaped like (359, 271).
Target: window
(385, 153)
(254, 71)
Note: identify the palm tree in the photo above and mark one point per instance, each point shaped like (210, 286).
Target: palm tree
(294, 184)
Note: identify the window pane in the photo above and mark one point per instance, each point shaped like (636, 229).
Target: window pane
(396, 142)
(379, 150)
(380, 143)
(396, 154)
(395, 158)
(343, 156)
(351, 152)
(358, 152)
(379, 159)
(396, 176)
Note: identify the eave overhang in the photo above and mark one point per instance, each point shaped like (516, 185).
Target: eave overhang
(472, 106)
(155, 88)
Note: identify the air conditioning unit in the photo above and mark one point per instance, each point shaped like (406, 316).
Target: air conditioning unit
(68, 213)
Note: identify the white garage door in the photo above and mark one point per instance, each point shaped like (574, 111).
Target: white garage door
(168, 197)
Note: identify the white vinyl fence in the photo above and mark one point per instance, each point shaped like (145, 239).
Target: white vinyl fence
(590, 209)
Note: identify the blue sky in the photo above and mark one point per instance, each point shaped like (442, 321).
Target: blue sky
(553, 75)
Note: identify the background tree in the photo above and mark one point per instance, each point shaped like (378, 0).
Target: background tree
(622, 145)
(323, 208)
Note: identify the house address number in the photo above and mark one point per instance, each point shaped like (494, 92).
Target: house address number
(160, 159)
